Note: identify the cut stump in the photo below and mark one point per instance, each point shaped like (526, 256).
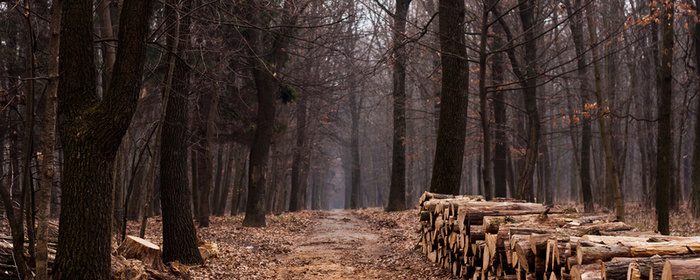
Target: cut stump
(137, 248)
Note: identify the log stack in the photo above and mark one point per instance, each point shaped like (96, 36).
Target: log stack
(516, 240)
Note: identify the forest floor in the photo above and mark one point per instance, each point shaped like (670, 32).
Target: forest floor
(338, 244)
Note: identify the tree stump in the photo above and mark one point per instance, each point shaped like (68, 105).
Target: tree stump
(136, 248)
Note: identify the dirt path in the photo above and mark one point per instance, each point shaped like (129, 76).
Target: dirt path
(341, 247)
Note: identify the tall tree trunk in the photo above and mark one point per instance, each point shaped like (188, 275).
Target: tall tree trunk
(266, 90)
(576, 27)
(501, 150)
(527, 17)
(204, 132)
(397, 189)
(265, 58)
(179, 233)
(695, 177)
(665, 142)
(355, 171)
(452, 125)
(483, 101)
(300, 156)
(47, 174)
(27, 206)
(91, 133)
(605, 133)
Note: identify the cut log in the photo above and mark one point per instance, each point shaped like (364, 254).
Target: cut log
(681, 269)
(633, 272)
(492, 223)
(649, 246)
(586, 272)
(615, 270)
(136, 248)
(208, 250)
(538, 243)
(588, 252)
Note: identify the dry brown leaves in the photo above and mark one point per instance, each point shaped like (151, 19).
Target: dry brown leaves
(255, 253)
(401, 231)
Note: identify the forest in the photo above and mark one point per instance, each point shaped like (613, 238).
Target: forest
(118, 114)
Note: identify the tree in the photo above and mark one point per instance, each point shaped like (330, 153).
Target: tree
(695, 177)
(605, 130)
(527, 14)
(576, 27)
(179, 233)
(91, 132)
(301, 159)
(47, 174)
(452, 125)
(267, 57)
(203, 132)
(397, 190)
(501, 150)
(484, 109)
(665, 142)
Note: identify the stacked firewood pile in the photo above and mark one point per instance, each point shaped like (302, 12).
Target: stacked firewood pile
(510, 239)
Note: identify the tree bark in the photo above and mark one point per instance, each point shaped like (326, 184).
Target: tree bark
(204, 133)
(664, 142)
(300, 157)
(355, 170)
(226, 181)
(483, 101)
(266, 58)
(179, 233)
(452, 125)
(576, 27)
(47, 174)
(241, 165)
(397, 189)
(605, 134)
(27, 207)
(106, 34)
(695, 177)
(216, 197)
(501, 150)
(527, 14)
(91, 133)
